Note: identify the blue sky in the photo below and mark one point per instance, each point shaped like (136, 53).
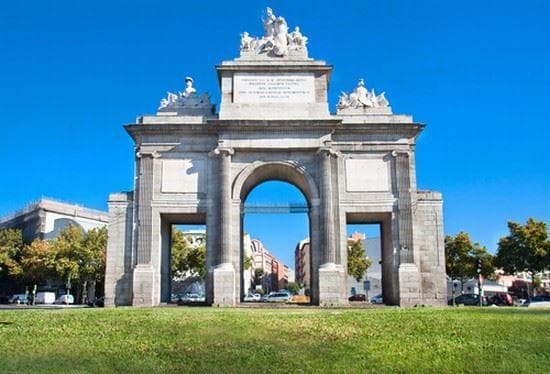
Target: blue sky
(477, 73)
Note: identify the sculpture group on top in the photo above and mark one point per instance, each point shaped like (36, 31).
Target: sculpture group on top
(277, 41)
(361, 97)
(186, 100)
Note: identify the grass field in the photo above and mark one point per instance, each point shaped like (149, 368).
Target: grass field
(275, 340)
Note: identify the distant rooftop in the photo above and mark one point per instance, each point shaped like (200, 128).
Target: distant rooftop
(57, 206)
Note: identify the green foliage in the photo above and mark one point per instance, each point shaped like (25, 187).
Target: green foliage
(358, 262)
(461, 256)
(11, 248)
(37, 262)
(248, 262)
(67, 253)
(187, 258)
(94, 254)
(526, 248)
(293, 287)
(245, 340)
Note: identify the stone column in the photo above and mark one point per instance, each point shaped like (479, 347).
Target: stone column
(409, 276)
(331, 274)
(404, 207)
(326, 156)
(144, 273)
(224, 272)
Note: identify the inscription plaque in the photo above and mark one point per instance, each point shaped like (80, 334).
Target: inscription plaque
(273, 88)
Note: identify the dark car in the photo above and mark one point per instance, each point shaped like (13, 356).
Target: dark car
(98, 302)
(468, 299)
(358, 297)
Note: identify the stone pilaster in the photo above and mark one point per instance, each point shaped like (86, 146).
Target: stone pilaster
(404, 206)
(223, 276)
(118, 272)
(144, 273)
(331, 274)
(409, 276)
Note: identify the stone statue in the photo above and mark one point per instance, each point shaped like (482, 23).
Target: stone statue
(276, 41)
(170, 99)
(280, 37)
(296, 40)
(189, 89)
(269, 23)
(186, 102)
(362, 98)
(246, 42)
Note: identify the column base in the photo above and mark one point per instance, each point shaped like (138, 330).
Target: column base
(332, 289)
(223, 277)
(144, 280)
(409, 285)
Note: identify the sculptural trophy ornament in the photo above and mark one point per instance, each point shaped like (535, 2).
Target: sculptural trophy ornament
(186, 102)
(362, 98)
(277, 41)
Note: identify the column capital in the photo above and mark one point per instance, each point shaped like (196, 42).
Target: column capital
(328, 151)
(222, 151)
(144, 154)
(396, 153)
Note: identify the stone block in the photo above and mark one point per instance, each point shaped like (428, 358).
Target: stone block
(144, 285)
(332, 291)
(223, 278)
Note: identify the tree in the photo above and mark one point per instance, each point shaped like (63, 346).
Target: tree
(187, 258)
(358, 262)
(196, 261)
(293, 287)
(67, 252)
(93, 256)
(37, 261)
(11, 248)
(179, 248)
(462, 258)
(248, 261)
(526, 248)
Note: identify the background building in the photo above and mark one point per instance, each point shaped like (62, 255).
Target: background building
(45, 218)
(275, 273)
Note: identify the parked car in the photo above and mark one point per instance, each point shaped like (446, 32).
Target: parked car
(357, 297)
(191, 298)
(278, 297)
(45, 298)
(468, 299)
(377, 299)
(19, 298)
(65, 299)
(98, 302)
(538, 302)
(255, 297)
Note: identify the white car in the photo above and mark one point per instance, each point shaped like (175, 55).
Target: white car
(377, 299)
(253, 297)
(65, 299)
(538, 302)
(45, 298)
(18, 299)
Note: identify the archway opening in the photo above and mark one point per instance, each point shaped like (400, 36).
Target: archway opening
(183, 259)
(375, 231)
(275, 249)
(364, 245)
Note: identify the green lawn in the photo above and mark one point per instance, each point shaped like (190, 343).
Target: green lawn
(275, 340)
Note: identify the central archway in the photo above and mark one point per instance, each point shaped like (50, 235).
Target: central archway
(297, 176)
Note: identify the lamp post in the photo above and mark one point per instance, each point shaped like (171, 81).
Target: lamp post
(479, 282)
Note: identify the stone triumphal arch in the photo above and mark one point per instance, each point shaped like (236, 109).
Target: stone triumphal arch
(193, 165)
